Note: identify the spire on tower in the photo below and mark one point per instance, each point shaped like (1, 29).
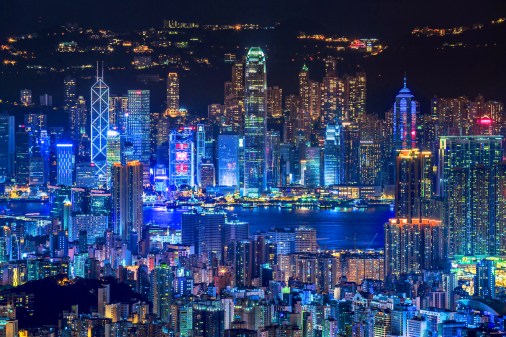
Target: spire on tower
(405, 79)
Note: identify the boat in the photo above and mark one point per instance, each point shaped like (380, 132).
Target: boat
(286, 205)
(360, 203)
(249, 205)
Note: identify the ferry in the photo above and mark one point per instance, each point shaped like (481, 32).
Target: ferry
(286, 205)
(360, 203)
(249, 205)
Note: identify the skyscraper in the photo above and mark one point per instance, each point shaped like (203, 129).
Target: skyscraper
(69, 92)
(255, 179)
(413, 180)
(126, 196)
(404, 120)
(25, 97)
(272, 158)
(7, 147)
(181, 158)
(161, 291)
(138, 128)
(65, 163)
(355, 97)
(274, 102)
(99, 127)
(413, 245)
(172, 92)
(331, 173)
(349, 152)
(467, 166)
(228, 159)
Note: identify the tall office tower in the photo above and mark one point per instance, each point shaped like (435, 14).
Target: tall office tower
(413, 245)
(118, 107)
(161, 291)
(126, 196)
(370, 162)
(484, 284)
(274, 102)
(404, 120)
(414, 175)
(200, 155)
(331, 173)
(234, 230)
(292, 107)
(25, 97)
(81, 131)
(69, 92)
(332, 100)
(238, 80)
(311, 167)
(305, 240)
(181, 158)
(113, 152)
(500, 209)
(22, 161)
(172, 92)
(138, 128)
(255, 123)
(355, 97)
(216, 114)
(466, 180)
(272, 157)
(65, 163)
(7, 147)
(304, 88)
(349, 153)
(99, 127)
(315, 101)
(228, 159)
(244, 263)
(234, 115)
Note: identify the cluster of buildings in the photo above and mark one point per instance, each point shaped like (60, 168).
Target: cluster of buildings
(442, 271)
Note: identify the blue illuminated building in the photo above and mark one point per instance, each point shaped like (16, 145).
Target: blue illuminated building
(99, 127)
(65, 164)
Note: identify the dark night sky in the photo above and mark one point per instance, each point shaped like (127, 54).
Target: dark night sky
(387, 19)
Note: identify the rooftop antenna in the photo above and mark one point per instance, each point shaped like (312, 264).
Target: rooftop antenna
(405, 79)
(97, 70)
(103, 70)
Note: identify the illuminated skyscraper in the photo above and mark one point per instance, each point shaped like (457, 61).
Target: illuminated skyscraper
(255, 179)
(332, 100)
(331, 156)
(404, 120)
(355, 97)
(138, 128)
(411, 246)
(272, 158)
(126, 197)
(500, 209)
(413, 180)
(274, 102)
(181, 158)
(467, 166)
(7, 147)
(69, 92)
(228, 159)
(305, 240)
(172, 91)
(99, 127)
(370, 162)
(311, 166)
(65, 163)
(161, 291)
(349, 153)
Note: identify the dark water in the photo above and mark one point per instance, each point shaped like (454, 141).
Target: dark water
(338, 228)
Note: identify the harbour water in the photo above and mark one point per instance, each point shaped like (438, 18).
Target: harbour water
(339, 228)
